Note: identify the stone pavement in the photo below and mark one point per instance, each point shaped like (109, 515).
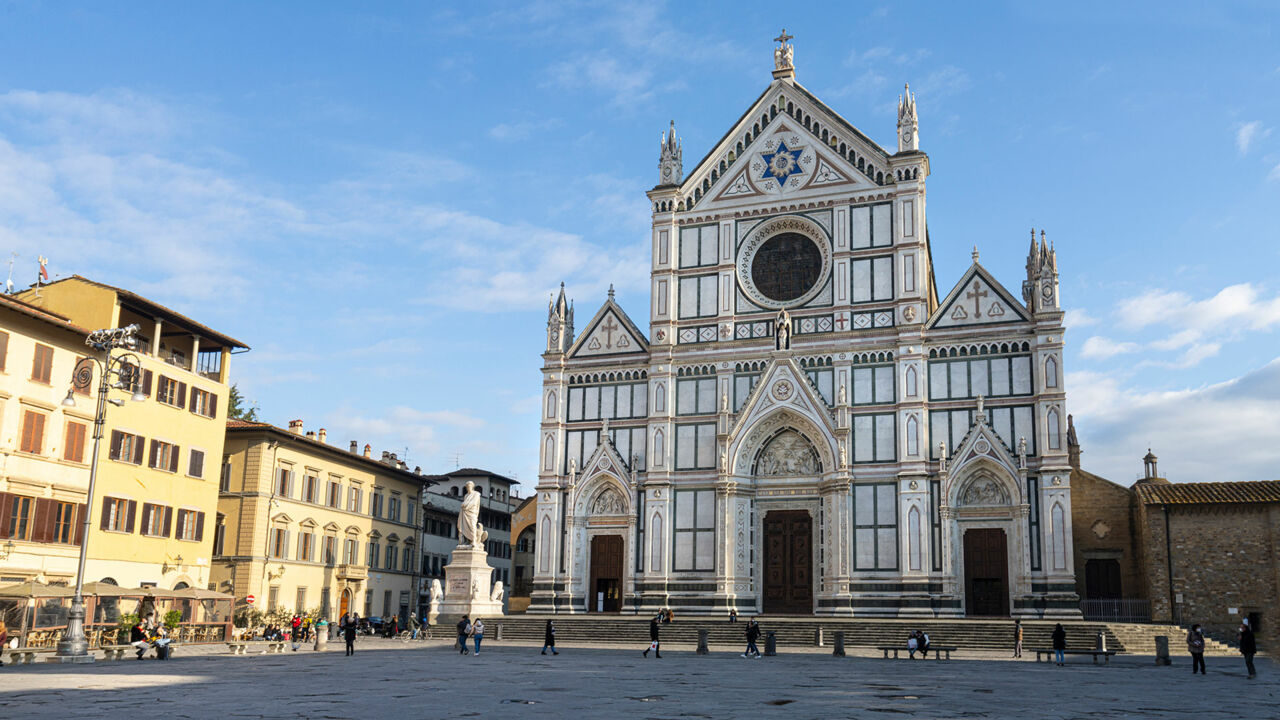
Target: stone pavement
(386, 679)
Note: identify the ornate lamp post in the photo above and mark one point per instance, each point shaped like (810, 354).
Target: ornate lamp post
(121, 372)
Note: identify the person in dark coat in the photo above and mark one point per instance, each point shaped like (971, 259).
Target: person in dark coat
(549, 639)
(1195, 646)
(653, 639)
(349, 636)
(1059, 645)
(1017, 638)
(138, 638)
(464, 629)
(753, 634)
(1248, 647)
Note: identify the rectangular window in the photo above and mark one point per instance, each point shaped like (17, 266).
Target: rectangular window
(1033, 520)
(354, 494)
(375, 505)
(330, 549)
(117, 514)
(695, 530)
(42, 364)
(310, 487)
(219, 537)
(875, 438)
(989, 377)
(164, 456)
(873, 279)
(171, 392)
(190, 526)
(875, 535)
(374, 548)
(195, 463)
(393, 509)
(224, 478)
(305, 546)
(279, 545)
(871, 226)
(273, 597)
(391, 557)
(32, 432)
(612, 401)
(204, 403)
(629, 442)
(335, 494)
(743, 384)
(284, 482)
(73, 443)
(823, 379)
(64, 517)
(349, 551)
(21, 517)
(156, 520)
(696, 396)
(873, 385)
(579, 444)
(699, 246)
(698, 296)
(300, 601)
(407, 563)
(696, 446)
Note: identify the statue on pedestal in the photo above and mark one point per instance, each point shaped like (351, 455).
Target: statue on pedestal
(469, 518)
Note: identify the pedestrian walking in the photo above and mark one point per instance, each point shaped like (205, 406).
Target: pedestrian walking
(549, 639)
(1017, 638)
(1195, 646)
(653, 638)
(477, 633)
(464, 629)
(349, 636)
(1248, 647)
(295, 632)
(394, 628)
(138, 638)
(1059, 645)
(413, 625)
(753, 634)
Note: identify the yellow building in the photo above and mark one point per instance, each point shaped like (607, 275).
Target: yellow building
(158, 469)
(524, 531)
(303, 525)
(44, 470)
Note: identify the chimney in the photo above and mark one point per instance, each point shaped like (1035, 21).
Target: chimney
(322, 436)
(1149, 465)
(368, 450)
(355, 447)
(417, 469)
(311, 434)
(295, 427)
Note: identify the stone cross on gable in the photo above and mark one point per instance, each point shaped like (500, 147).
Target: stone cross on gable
(976, 295)
(609, 328)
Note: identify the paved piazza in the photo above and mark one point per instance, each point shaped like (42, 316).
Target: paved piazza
(385, 680)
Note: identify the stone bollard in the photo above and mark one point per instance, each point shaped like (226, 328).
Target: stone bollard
(817, 637)
(1162, 650)
(838, 651)
(322, 636)
(498, 636)
(1100, 643)
(770, 643)
(702, 642)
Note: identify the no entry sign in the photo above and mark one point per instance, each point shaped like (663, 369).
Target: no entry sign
(248, 599)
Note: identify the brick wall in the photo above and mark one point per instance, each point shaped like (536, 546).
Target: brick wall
(1103, 527)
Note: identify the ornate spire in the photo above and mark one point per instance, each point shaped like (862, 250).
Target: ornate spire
(559, 323)
(908, 123)
(670, 164)
(784, 57)
(974, 254)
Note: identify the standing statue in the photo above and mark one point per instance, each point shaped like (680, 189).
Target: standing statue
(469, 517)
(782, 330)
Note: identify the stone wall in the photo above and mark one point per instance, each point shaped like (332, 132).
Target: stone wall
(1103, 528)
(1225, 557)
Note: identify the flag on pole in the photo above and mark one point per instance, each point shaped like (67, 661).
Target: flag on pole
(44, 271)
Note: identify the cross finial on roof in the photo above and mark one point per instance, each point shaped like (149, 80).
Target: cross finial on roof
(975, 253)
(610, 291)
(783, 37)
(783, 57)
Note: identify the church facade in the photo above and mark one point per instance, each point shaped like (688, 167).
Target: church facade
(806, 427)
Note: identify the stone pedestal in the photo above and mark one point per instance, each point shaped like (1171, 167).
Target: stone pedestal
(467, 587)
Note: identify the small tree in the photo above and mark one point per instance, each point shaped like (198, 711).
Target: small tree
(236, 407)
(173, 619)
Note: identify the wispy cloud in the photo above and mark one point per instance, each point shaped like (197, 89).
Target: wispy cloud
(1077, 318)
(1098, 347)
(1249, 133)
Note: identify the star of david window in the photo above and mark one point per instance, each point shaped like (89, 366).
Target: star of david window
(786, 266)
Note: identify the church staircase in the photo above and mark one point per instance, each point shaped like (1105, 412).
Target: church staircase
(801, 632)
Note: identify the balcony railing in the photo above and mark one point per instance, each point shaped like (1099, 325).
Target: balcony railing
(1129, 610)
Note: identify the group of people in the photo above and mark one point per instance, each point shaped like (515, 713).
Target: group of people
(1244, 640)
(473, 629)
(918, 641)
(146, 634)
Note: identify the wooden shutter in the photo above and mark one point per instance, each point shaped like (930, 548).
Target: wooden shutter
(4, 349)
(42, 363)
(200, 527)
(138, 444)
(117, 438)
(213, 397)
(146, 383)
(155, 445)
(191, 400)
(37, 435)
(174, 452)
(27, 424)
(168, 519)
(129, 512)
(182, 395)
(42, 519)
(106, 513)
(6, 507)
(78, 531)
(73, 444)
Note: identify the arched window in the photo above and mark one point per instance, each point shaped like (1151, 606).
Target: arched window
(913, 436)
(913, 538)
(1053, 426)
(655, 543)
(660, 398)
(551, 404)
(911, 381)
(1059, 520)
(659, 448)
(548, 454)
(1051, 373)
(544, 546)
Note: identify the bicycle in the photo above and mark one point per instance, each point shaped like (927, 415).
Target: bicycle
(406, 636)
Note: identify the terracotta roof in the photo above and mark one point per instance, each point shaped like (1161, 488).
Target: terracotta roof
(246, 425)
(40, 313)
(1209, 493)
(156, 308)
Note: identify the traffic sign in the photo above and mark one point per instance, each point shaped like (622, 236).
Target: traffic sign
(248, 599)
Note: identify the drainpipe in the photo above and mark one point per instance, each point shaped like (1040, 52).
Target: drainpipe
(1168, 556)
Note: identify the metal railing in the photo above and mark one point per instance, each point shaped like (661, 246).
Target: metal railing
(1129, 610)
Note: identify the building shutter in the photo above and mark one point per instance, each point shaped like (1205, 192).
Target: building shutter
(6, 507)
(81, 509)
(200, 527)
(146, 383)
(182, 395)
(154, 447)
(191, 401)
(128, 516)
(147, 509)
(168, 519)
(116, 438)
(138, 444)
(213, 400)
(106, 514)
(42, 520)
(4, 349)
(27, 422)
(173, 458)
(37, 435)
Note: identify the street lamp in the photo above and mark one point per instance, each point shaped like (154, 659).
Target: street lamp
(121, 372)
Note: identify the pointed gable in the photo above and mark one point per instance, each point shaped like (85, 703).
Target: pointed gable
(787, 144)
(978, 300)
(610, 332)
(783, 397)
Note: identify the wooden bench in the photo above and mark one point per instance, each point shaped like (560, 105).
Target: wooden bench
(26, 655)
(1106, 654)
(937, 650)
(114, 652)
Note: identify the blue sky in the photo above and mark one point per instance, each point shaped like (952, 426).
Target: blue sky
(379, 201)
